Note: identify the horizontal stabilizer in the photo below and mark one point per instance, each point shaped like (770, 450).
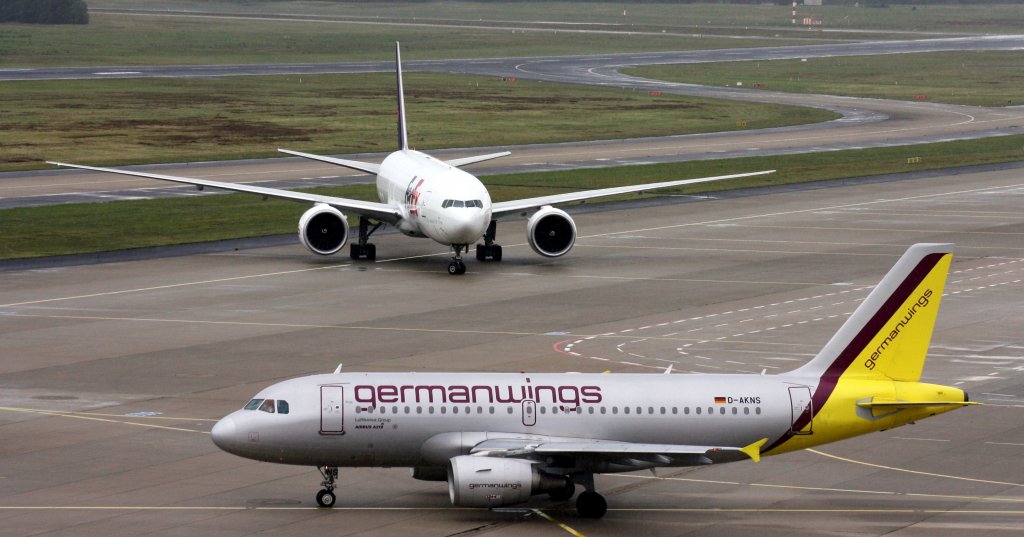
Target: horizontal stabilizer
(367, 167)
(473, 160)
(883, 403)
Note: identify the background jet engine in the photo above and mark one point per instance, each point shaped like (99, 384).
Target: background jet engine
(551, 232)
(323, 229)
(494, 481)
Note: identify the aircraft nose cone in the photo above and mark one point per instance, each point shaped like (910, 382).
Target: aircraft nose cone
(224, 433)
(466, 229)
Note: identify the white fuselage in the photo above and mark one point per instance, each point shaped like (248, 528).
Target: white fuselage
(423, 419)
(437, 200)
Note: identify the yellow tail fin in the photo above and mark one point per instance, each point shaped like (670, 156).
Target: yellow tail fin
(887, 337)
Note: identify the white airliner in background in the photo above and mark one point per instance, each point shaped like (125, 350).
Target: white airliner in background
(498, 439)
(422, 196)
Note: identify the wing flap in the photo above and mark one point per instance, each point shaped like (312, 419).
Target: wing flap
(509, 207)
(622, 452)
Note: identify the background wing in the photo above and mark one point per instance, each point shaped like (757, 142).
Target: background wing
(509, 207)
(377, 211)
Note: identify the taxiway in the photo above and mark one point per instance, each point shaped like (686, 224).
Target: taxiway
(113, 373)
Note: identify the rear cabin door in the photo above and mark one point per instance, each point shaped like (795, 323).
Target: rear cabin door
(802, 409)
(332, 410)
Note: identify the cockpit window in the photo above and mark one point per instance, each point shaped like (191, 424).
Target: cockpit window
(267, 406)
(462, 203)
(282, 406)
(254, 404)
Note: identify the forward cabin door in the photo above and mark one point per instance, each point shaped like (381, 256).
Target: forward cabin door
(802, 406)
(332, 410)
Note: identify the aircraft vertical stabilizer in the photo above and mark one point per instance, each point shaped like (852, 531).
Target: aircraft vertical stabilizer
(887, 337)
(403, 137)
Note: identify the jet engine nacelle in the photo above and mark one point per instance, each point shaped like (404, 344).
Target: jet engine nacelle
(551, 232)
(495, 481)
(323, 229)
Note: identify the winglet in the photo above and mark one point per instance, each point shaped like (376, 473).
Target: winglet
(403, 138)
(754, 450)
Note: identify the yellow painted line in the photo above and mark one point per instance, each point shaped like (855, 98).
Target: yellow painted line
(558, 523)
(996, 499)
(105, 420)
(918, 472)
(837, 510)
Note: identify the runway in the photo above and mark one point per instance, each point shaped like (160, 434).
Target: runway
(113, 372)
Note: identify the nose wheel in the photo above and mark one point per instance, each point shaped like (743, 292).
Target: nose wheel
(325, 498)
(456, 266)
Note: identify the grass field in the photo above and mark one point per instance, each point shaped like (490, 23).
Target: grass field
(988, 18)
(64, 229)
(126, 121)
(125, 40)
(984, 78)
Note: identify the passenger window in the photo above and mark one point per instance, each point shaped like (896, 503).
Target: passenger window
(253, 405)
(746, 410)
(698, 411)
(615, 410)
(267, 406)
(543, 410)
(509, 410)
(757, 410)
(625, 409)
(282, 406)
(604, 410)
(455, 410)
(734, 411)
(590, 410)
(722, 410)
(686, 410)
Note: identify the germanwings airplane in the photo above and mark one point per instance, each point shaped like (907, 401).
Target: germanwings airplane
(498, 438)
(422, 196)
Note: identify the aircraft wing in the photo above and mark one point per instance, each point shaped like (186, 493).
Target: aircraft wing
(473, 160)
(367, 167)
(623, 453)
(377, 211)
(508, 207)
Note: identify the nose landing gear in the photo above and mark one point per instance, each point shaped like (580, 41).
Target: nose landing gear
(325, 498)
(456, 266)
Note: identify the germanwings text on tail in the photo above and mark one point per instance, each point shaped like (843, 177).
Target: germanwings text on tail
(500, 438)
(422, 196)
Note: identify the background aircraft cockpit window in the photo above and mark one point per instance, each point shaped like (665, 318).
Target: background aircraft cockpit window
(458, 203)
(282, 406)
(253, 405)
(267, 406)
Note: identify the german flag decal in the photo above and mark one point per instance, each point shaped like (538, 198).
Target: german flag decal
(719, 400)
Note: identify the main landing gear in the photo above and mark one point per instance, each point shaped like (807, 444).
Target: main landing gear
(456, 266)
(488, 251)
(590, 504)
(364, 249)
(326, 496)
